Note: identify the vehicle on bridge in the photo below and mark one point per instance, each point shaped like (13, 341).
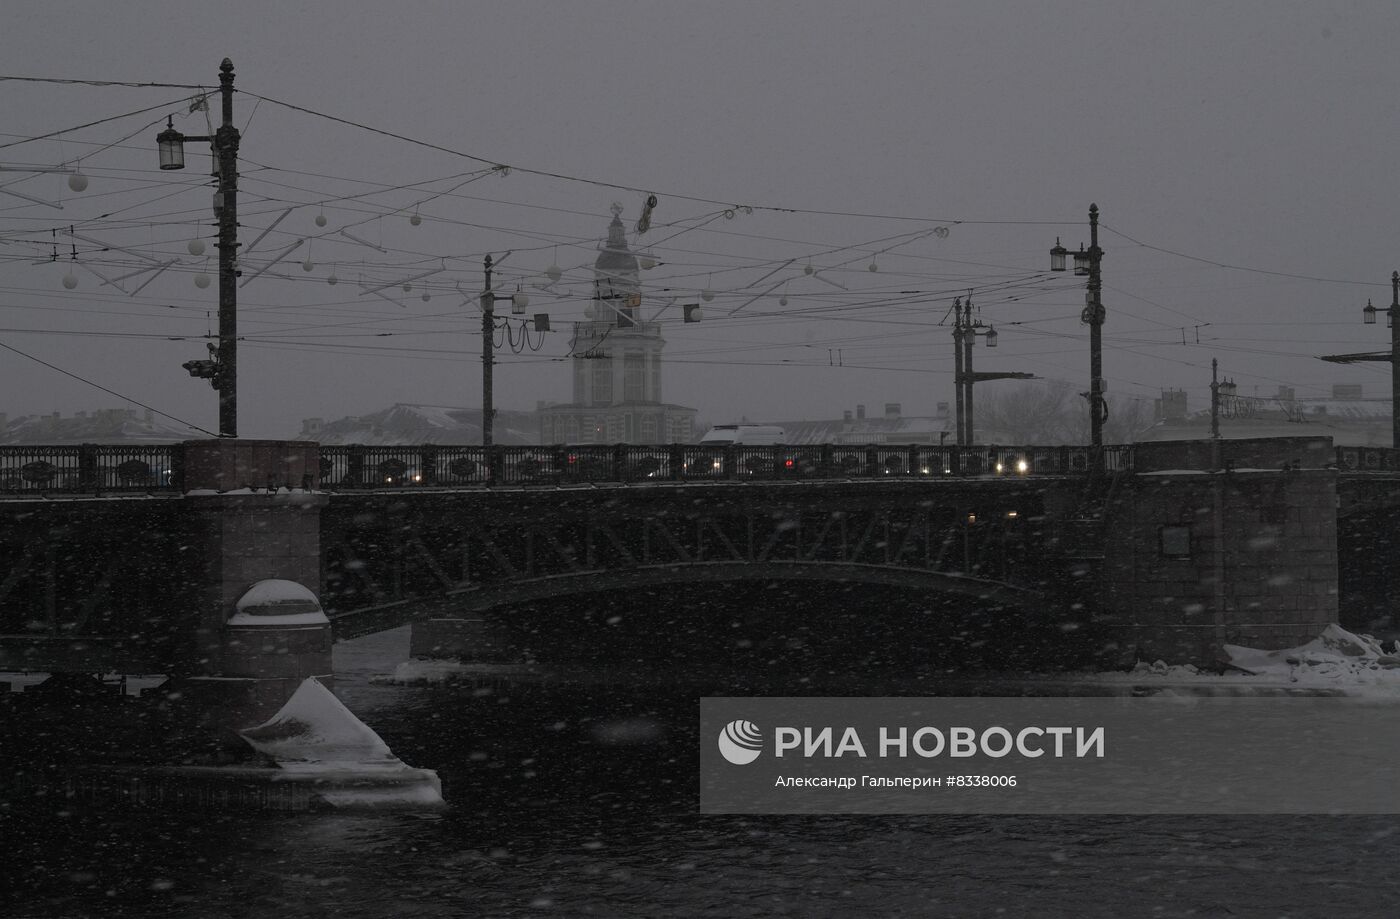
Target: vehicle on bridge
(752, 434)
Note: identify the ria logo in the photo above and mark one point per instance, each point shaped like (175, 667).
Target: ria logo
(740, 742)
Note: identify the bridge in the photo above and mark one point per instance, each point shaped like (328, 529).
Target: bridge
(141, 559)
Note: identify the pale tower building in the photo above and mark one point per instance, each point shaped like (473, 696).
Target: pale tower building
(616, 362)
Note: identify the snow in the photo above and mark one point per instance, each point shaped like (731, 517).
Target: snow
(277, 602)
(1232, 470)
(1337, 662)
(314, 736)
(445, 671)
(316, 727)
(278, 619)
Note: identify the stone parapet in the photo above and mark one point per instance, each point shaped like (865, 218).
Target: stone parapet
(225, 465)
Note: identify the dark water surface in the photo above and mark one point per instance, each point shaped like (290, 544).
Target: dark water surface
(583, 803)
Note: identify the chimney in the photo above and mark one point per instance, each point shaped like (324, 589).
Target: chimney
(892, 410)
(1172, 405)
(846, 416)
(860, 413)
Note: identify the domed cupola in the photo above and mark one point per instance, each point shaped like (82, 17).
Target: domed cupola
(616, 271)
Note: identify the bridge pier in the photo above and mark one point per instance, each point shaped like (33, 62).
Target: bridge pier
(255, 630)
(1222, 542)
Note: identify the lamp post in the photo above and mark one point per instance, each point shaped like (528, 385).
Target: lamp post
(1392, 320)
(965, 332)
(222, 370)
(1087, 262)
(518, 302)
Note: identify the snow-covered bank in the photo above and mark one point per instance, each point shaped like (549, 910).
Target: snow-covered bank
(1337, 662)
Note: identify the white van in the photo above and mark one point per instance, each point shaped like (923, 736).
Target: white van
(725, 434)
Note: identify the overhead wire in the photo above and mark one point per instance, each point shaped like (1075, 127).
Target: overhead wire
(113, 392)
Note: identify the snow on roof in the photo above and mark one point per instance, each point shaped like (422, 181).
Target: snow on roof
(407, 423)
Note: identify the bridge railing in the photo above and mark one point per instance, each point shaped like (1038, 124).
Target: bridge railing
(364, 467)
(82, 468)
(1368, 459)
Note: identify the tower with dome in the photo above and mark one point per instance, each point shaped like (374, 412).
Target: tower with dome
(616, 362)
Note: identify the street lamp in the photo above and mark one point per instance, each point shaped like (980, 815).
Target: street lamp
(1087, 263)
(965, 332)
(222, 369)
(1368, 316)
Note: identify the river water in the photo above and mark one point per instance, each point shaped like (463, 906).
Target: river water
(583, 803)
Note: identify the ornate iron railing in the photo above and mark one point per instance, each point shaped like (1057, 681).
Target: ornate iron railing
(95, 468)
(1368, 459)
(159, 468)
(365, 467)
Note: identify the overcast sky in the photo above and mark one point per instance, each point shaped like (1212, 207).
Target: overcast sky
(1259, 136)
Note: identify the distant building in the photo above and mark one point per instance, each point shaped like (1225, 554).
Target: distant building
(104, 426)
(421, 424)
(893, 427)
(616, 362)
(1350, 419)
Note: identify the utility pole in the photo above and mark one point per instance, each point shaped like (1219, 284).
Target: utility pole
(222, 371)
(1089, 263)
(1214, 401)
(958, 369)
(1393, 320)
(1098, 408)
(226, 148)
(969, 338)
(488, 348)
(965, 332)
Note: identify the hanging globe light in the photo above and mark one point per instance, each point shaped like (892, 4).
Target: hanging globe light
(554, 273)
(70, 280)
(407, 287)
(809, 269)
(201, 280)
(782, 301)
(77, 181)
(195, 246)
(320, 220)
(308, 265)
(873, 266)
(426, 296)
(415, 220)
(707, 294)
(331, 279)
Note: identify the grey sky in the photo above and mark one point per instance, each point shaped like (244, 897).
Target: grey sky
(1252, 134)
